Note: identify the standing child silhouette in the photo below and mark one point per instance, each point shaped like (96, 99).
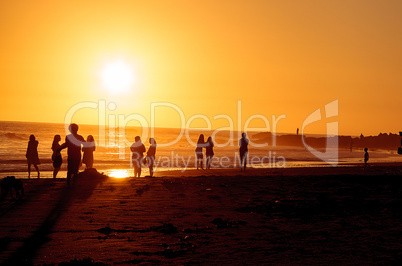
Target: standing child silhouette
(88, 152)
(209, 151)
(151, 156)
(56, 156)
(366, 157)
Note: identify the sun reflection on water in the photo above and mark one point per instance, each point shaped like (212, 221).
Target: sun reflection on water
(118, 173)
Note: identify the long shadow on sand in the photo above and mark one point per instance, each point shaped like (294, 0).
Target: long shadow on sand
(85, 184)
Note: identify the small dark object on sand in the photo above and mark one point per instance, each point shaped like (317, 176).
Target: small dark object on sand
(165, 228)
(85, 261)
(8, 184)
(221, 224)
(141, 191)
(105, 230)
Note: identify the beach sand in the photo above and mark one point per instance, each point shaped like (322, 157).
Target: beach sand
(323, 215)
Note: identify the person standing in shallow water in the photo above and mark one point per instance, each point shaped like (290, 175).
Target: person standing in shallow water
(88, 152)
(198, 152)
(243, 144)
(209, 151)
(73, 144)
(151, 156)
(138, 150)
(32, 155)
(56, 156)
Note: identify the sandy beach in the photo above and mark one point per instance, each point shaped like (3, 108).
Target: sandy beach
(306, 93)
(323, 215)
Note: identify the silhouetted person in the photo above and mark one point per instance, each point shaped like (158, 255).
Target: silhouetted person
(297, 131)
(138, 150)
(32, 155)
(56, 156)
(88, 152)
(366, 157)
(73, 144)
(151, 156)
(209, 151)
(243, 144)
(400, 134)
(400, 148)
(198, 152)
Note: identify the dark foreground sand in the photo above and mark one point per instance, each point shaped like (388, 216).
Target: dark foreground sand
(303, 216)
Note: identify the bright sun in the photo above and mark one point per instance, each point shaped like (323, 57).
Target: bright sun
(117, 77)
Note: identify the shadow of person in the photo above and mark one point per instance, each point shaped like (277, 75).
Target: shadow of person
(87, 181)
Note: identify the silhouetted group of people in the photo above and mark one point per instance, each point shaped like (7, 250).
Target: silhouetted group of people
(138, 159)
(209, 152)
(73, 143)
(138, 149)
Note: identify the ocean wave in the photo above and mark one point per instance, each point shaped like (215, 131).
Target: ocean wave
(14, 136)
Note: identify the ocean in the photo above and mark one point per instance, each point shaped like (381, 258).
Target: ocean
(175, 150)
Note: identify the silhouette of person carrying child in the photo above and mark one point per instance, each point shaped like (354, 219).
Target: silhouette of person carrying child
(138, 150)
(73, 144)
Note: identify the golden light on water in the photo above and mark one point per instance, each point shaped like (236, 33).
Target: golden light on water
(118, 173)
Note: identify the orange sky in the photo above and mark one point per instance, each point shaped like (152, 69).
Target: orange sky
(277, 57)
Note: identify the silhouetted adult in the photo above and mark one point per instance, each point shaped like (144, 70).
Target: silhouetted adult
(32, 155)
(151, 156)
(56, 156)
(209, 151)
(400, 148)
(73, 144)
(88, 152)
(243, 144)
(198, 152)
(138, 150)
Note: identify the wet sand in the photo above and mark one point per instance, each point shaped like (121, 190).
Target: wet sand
(322, 215)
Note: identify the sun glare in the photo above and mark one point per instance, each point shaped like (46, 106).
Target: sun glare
(117, 77)
(118, 173)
